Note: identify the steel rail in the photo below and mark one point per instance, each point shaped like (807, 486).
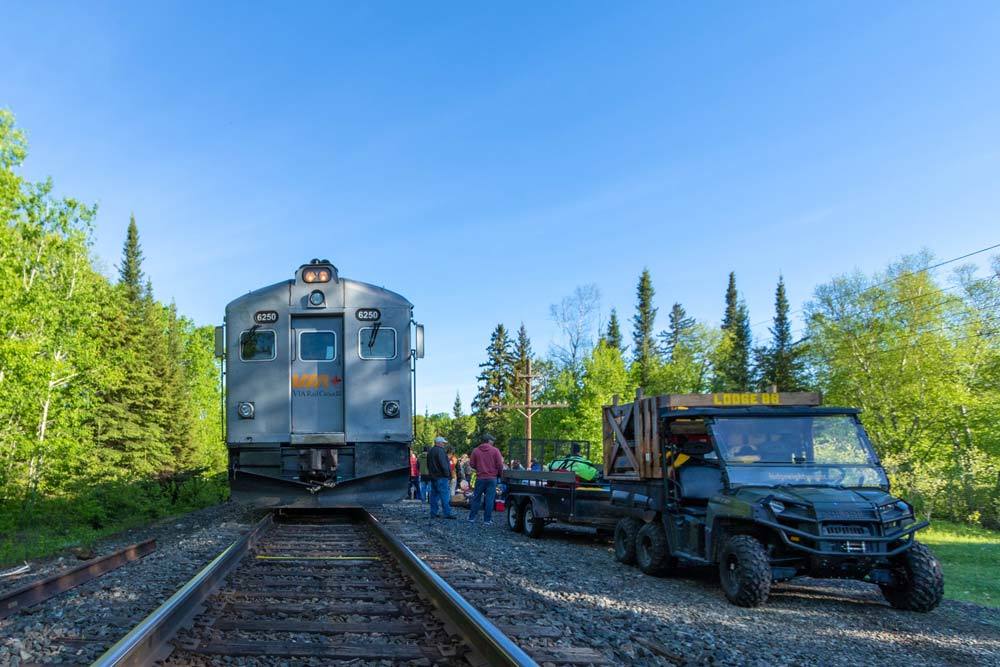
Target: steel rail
(143, 644)
(38, 591)
(485, 638)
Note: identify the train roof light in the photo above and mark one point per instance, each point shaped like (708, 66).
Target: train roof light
(316, 275)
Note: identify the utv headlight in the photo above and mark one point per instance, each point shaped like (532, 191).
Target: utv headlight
(390, 409)
(776, 506)
(245, 409)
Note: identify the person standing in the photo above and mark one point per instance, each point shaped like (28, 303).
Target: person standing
(414, 491)
(439, 469)
(425, 477)
(488, 463)
(453, 482)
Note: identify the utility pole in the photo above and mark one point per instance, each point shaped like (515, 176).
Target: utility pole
(529, 408)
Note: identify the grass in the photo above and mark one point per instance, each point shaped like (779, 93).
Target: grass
(970, 558)
(61, 523)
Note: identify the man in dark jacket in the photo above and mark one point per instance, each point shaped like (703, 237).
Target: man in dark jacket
(488, 464)
(439, 468)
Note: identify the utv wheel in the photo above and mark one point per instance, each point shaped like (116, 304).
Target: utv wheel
(625, 534)
(533, 526)
(652, 553)
(745, 571)
(921, 585)
(515, 517)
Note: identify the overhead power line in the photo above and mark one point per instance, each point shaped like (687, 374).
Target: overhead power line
(900, 277)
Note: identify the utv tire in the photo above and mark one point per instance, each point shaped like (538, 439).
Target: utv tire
(921, 584)
(533, 526)
(745, 571)
(652, 553)
(515, 516)
(625, 534)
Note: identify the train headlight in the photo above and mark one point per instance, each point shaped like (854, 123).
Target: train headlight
(390, 409)
(316, 298)
(245, 409)
(316, 276)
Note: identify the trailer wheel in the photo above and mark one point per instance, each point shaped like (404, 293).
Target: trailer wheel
(515, 516)
(745, 571)
(533, 526)
(652, 553)
(920, 583)
(625, 532)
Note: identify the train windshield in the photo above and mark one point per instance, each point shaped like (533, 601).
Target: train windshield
(257, 345)
(825, 450)
(377, 342)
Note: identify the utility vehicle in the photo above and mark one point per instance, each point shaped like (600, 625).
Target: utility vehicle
(765, 487)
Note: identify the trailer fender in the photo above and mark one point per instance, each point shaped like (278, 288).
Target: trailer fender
(539, 505)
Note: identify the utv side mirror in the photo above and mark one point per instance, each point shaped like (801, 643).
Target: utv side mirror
(220, 342)
(418, 341)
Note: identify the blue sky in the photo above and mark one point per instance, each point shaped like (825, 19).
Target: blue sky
(485, 159)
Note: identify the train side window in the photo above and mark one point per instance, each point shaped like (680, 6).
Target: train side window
(257, 345)
(377, 342)
(317, 346)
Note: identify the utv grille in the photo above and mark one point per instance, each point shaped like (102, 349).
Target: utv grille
(845, 530)
(848, 515)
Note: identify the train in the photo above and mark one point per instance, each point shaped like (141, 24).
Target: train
(319, 378)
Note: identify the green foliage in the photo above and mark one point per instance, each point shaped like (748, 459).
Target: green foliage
(105, 394)
(733, 364)
(644, 347)
(924, 366)
(781, 363)
(130, 274)
(495, 382)
(613, 336)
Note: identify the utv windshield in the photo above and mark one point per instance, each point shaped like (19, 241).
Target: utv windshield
(816, 450)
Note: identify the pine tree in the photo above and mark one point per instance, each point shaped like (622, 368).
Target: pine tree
(522, 353)
(178, 424)
(456, 408)
(495, 381)
(613, 337)
(680, 329)
(780, 364)
(130, 272)
(644, 350)
(733, 370)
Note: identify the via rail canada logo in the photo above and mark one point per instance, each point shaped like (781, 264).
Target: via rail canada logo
(316, 384)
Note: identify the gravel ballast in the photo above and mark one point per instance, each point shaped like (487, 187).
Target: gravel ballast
(616, 609)
(77, 626)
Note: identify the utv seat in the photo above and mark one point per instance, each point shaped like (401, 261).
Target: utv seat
(698, 483)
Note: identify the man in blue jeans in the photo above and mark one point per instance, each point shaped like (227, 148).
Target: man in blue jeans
(488, 464)
(439, 469)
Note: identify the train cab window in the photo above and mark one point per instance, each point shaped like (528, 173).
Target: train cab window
(257, 345)
(317, 346)
(377, 342)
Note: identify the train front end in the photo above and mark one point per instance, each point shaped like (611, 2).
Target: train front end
(319, 391)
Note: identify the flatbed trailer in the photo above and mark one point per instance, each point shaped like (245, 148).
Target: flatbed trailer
(535, 499)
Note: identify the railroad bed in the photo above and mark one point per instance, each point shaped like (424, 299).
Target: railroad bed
(525, 621)
(333, 588)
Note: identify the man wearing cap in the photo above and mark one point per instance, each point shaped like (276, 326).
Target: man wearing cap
(488, 463)
(439, 468)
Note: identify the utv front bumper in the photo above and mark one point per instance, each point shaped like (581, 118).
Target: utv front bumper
(831, 544)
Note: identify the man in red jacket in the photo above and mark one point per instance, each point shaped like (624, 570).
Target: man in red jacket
(487, 462)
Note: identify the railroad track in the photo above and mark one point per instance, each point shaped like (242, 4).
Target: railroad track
(322, 589)
(524, 621)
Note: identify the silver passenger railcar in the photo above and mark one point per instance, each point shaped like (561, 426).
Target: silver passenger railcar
(318, 405)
